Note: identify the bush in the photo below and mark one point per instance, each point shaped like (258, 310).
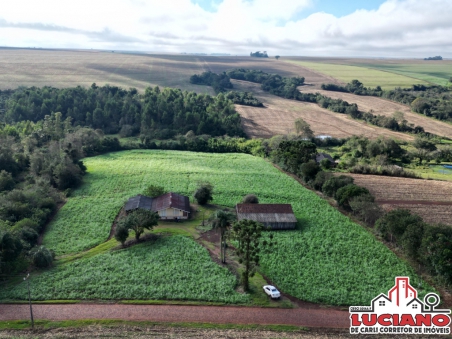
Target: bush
(364, 207)
(42, 257)
(320, 180)
(250, 199)
(154, 191)
(309, 170)
(334, 183)
(344, 194)
(203, 193)
(394, 223)
(121, 233)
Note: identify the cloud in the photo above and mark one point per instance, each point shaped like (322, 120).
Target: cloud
(408, 28)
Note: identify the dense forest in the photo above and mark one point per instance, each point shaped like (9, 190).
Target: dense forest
(432, 101)
(155, 114)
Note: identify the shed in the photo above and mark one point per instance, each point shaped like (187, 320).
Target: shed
(168, 206)
(275, 216)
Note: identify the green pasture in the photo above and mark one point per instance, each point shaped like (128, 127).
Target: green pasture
(329, 259)
(367, 74)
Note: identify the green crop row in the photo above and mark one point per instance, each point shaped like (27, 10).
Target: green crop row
(170, 268)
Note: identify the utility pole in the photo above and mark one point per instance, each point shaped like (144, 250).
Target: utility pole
(29, 301)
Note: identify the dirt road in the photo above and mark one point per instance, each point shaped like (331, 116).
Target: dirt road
(325, 318)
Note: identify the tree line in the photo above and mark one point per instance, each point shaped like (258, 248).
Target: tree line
(156, 113)
(433, 101)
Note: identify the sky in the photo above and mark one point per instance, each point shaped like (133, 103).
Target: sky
(331, 28)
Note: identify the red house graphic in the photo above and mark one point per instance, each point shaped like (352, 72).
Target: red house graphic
(402, 292)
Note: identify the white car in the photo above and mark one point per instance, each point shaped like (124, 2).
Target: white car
(272, 291)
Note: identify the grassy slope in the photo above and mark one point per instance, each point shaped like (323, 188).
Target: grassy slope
(331, 259)
(369, 77)
(152, 269)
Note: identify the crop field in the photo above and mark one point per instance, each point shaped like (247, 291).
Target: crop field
(317, 263)
(279, 115)
(431, 199)
(157, 270)
(69, 68)
(368, 76)
(387, 108)
(435, 72)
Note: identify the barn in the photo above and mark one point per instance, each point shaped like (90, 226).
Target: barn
(168, 206)
(275, 216)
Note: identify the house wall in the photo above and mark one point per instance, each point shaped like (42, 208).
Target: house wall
(172, 213)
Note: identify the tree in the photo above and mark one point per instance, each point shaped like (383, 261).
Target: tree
(248, 233)
(366, 209)
(222, 220)
(291, 154)
(203, 193)
(303, 128)
(309, 170)
(331, 185)
(6, 181)
(394, 223)
(250, 199)
(277, 57)
(138, 221)
(42, 257)
(121, 233)
(154, 191)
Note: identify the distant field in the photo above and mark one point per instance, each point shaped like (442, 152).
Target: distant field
(65, 68)
(387, 108)
(428, 198)
(279, 115)
(369, 77)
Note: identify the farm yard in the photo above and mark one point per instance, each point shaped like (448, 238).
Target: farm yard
(279, 115)
(385, 107)
(317, 262)
(431, 199)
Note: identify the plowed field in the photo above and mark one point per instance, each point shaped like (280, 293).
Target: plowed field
(431, 199)
(279, 115)
(387, 108)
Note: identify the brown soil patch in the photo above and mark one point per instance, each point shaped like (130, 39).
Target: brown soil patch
(431, 199)
(385, 107)
(279, 115)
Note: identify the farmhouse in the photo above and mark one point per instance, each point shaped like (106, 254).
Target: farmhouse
(319, 157)
(275, 216)
(168, 206)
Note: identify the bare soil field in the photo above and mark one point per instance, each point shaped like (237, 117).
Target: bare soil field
(387, 108)
(431, 199)
(68, 68)
(279, 115)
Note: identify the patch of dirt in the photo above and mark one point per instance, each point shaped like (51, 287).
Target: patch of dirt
(385, 107)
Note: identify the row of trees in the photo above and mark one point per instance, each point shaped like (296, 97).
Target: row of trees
(434, 101)
(156, 113)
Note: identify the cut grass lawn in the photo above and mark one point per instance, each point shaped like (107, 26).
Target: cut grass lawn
(368, 76)
(326, 261)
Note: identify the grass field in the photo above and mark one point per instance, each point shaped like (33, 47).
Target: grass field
(317, 263)
(368, 76)
(279, 115)
(430, 199)
(384, 107)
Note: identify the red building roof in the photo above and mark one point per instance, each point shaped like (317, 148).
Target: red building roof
(171, 200)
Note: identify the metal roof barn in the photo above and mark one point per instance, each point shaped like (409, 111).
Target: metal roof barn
(275, 216)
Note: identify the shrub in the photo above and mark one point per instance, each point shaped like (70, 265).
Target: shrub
(121, 233)
(344, 194)
(309, 170)
(154, 191)
(334, 183)
(320, 180)
(250, 199)
(42, 257)
(203, 193)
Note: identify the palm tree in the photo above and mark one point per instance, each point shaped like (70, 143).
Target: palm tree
(222, 220)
